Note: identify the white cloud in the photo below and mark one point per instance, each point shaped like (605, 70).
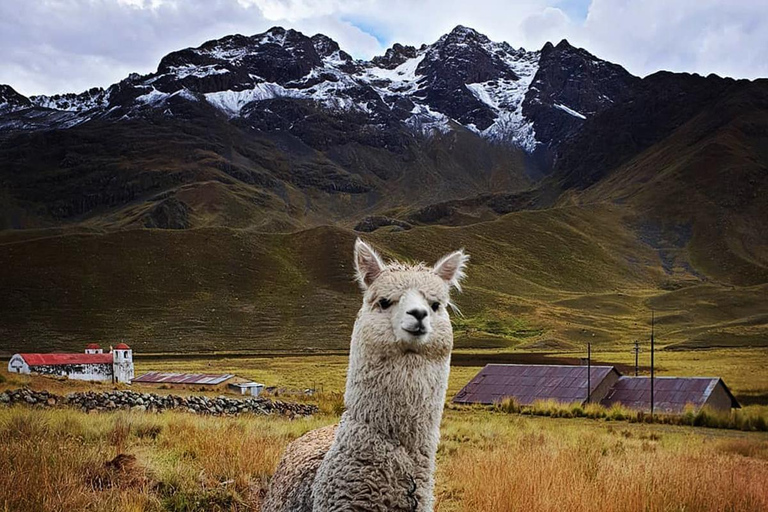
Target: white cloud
(49, 46)
(704, 36)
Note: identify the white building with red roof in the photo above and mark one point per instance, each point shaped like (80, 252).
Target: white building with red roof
(114, 366)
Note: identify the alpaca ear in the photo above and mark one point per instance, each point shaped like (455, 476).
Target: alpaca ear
(451, 268)
(368, 264)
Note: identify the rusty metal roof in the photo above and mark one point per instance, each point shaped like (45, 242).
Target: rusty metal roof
(528, 383)
(60, 359)
(670, 394)
(183, 378)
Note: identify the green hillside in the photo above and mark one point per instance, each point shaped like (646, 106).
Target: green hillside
(540, 279)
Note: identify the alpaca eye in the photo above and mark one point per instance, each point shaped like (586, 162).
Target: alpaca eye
(435, 306)
(385, 303)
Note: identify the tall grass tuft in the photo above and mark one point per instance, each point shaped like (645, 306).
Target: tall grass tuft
(746, 420)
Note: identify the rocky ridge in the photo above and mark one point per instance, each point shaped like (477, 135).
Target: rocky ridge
(277, 79)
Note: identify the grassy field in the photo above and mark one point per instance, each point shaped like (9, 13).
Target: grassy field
(488, 460)
(741, 369)
(552, 279)
(66, 460)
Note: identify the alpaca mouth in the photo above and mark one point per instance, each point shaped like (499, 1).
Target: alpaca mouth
(419, 331)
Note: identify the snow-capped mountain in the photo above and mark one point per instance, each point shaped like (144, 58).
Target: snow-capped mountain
(271, 81)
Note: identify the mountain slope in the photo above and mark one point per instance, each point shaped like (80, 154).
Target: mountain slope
(215, 201)
(458, 118)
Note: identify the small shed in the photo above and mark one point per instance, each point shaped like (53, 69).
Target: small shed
(671, 394)
(247, 388)
(528, 383)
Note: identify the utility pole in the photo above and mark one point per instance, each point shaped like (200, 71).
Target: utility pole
(589, 370)
(653, 321)
(636, 350)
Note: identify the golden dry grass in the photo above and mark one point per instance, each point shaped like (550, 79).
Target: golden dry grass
(518, 463)
(53, 460)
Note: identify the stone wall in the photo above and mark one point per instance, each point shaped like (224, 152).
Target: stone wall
(131, 400)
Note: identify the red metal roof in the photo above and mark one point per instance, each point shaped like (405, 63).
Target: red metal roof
(670, 394)
(93, 346)
(528, 383)
(183, 378)
(58, 359)
(122, 346)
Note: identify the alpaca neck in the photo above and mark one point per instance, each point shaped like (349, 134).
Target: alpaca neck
(401, 397)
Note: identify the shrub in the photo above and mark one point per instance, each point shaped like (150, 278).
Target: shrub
(577, 410)
(508, 405)
(594, 411)
(752, 420)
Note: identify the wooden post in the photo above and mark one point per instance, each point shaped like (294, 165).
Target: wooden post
(636, 350)
(589, 370)
(652, 354)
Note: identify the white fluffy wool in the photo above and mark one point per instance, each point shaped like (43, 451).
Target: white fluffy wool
(383, 455)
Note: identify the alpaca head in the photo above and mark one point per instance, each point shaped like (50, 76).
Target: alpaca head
(405, 307)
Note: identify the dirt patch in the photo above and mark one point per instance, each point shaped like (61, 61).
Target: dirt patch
(123, 471)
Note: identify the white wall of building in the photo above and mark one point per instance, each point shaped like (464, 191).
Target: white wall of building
(17, 364)
(122, 365)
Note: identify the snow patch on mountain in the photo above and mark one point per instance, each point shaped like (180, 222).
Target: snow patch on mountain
(570, 111)
(153, 97)
(232, 102)
(505, 97)
(196, 71)
(428, 122)
(71, 102)
(405, 73)
(186, 94)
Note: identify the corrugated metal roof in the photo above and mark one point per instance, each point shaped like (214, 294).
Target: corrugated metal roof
(59, 359)
(183, 378)
(528, 383)
(670, 394)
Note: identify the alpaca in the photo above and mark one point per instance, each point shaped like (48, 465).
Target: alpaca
(382, 455)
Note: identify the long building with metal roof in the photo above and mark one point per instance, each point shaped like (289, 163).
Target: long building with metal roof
(528, 383)
(671, 394)
(222, 381)
(183, 378)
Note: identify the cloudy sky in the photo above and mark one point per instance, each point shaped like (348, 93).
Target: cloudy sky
(53, 46)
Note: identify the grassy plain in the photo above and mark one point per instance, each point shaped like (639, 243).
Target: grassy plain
(743, 369)
(488, 460)
(54, 460)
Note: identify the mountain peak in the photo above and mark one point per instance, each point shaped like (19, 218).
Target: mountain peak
(12, 100)
(461, 34)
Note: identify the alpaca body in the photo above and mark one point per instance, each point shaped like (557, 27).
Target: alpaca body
(389, 434)
(291, 486)
(382, 457)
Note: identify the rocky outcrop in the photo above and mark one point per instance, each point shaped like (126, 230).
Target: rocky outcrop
(570, 86)
(374, 222)
(151, 402)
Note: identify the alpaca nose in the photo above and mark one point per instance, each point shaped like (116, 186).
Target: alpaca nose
(418, 314)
